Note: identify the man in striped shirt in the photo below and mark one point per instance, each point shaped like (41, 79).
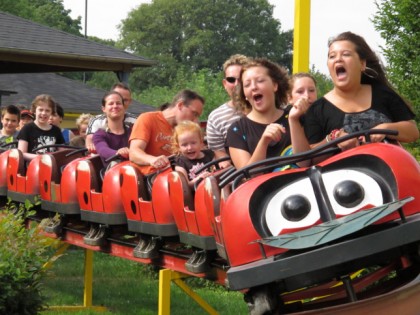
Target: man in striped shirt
(223, 116)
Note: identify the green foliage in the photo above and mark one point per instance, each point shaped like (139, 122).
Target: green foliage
(190, 35)
(398, 23)
(23, 252)
(46, 12)
(205, 82)
(323, 82)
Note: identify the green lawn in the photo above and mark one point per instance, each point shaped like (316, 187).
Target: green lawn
(127, 288)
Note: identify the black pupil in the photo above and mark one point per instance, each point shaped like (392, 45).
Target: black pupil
(349, 194)
(295, 208)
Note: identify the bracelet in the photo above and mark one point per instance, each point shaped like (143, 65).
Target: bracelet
(332, 135)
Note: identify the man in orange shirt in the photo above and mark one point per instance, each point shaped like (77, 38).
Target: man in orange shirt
(151, 137)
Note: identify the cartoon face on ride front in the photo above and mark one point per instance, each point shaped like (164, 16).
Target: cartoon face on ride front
(304, 208)
(318, 197)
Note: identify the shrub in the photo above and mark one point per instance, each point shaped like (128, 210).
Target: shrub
(23, 251)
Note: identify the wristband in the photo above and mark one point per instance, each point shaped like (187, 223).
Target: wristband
(333, 135)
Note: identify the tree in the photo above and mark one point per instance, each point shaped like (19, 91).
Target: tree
(323, 82)
(190, 35)
(46, 12)
(398, 23)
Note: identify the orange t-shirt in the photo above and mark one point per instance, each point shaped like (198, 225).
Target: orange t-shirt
(154, 129)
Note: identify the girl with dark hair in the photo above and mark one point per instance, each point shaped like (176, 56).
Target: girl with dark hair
(113, 139)
(362, 99)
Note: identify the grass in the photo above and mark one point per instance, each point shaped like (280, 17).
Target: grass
(127, 288)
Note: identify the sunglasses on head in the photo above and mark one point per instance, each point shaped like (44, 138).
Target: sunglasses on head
(231, 79)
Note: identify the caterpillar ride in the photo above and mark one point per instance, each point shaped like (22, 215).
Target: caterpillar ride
(338, 236)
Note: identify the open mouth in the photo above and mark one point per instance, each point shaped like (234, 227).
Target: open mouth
(340, 71)
(257, 97)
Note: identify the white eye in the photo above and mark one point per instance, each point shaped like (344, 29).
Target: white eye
(350, 190)
(293, 207)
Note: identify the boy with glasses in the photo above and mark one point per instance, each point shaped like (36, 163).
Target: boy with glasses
(222, 117)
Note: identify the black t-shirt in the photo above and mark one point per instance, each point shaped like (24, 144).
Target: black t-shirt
(245, 134)
(37, 137)
(323, 117)
(192, 165)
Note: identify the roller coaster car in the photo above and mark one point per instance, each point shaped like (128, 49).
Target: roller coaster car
(99, 198)
(302, 227)
(4, 156)
(22, 180)
(147, 206)
(191, 218)
(57, 175)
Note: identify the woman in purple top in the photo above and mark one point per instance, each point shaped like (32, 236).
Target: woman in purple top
(113, 140)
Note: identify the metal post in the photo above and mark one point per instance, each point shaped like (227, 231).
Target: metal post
(86, 11)
(87, 294)
(301, 36)
(165, 278)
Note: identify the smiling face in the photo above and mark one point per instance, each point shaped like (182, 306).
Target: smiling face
(344, 64)
(10, 123)
(303, 87)
(259, 88)
(42, 113)
(190, 144)
(113, 107)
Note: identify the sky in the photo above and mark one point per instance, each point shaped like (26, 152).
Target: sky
(328, 18)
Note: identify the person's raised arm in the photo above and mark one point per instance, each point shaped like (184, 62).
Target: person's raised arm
(272, 133)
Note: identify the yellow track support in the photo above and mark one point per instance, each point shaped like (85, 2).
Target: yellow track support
(88, 279)
(166, 276)
(301, 36)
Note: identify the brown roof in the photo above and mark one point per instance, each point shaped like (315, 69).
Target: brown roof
(26, 46)
(74, 96)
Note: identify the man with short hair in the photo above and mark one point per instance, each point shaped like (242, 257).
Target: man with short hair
(222, 117)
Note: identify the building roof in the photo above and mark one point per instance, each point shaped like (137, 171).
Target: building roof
(74, 96)
(26, 46)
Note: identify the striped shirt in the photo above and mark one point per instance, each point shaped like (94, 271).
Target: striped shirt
(218, 125)
(99, 122)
